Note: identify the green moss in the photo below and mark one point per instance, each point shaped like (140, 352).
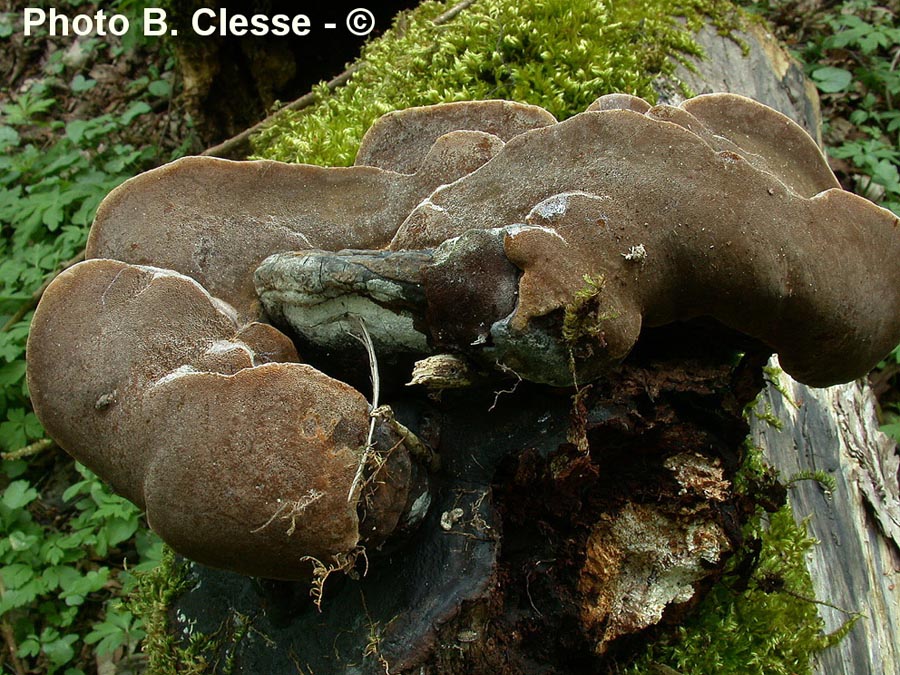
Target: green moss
(152, 600)
(558, 54)
(584, 316)
(773, 376)
(771, 628)
(764, 623)
(764, 413)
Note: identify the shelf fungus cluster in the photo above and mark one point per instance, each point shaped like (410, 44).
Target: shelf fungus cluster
(485, 236)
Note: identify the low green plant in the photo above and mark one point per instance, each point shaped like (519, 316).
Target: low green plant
(870, 85)
(58, 566)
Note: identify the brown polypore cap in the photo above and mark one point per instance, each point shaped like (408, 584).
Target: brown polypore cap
(240, 462)
(400, 140)
(215, 220)
(786, 150)
(252, 472)
(668, 227)
(103, 333)
(619, 102)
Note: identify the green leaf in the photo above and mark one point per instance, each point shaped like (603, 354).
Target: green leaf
(12, 431)
(10, 350)
(885, 173)
(12, 373)
(75, 490)
(6, 24)
(52, 553)
(53, 216)
(9, 137)
(30, 646)
(60, 650)
(20, 597)
(74, 540)
(17, 575)
(75, 592)
(75, 130)
(118, 629)
(120, 529)
(19, 494)
(137, 108)
(60, 576)
(892, 430)
(81, 84)
(831, 80)
(160, 88)
(14, 469)
(19, 541)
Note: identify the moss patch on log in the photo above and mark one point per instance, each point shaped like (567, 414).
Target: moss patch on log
(764, 625)
(761, 617)
(558, 54)
(152, 600)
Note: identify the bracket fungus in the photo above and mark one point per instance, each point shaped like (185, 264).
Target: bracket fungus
(483, 234)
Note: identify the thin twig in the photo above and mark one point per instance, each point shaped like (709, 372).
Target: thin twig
(506, 369)
(373, 364)
(292, 510)
(453, 11)
(804, 598)
(366, 341)
(29, 450)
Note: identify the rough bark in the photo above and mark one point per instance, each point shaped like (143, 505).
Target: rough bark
(856, 565)
(754, 64)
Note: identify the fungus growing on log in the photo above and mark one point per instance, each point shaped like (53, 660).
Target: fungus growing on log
(772, 249)
(215, 220)
(242, 457)
(485, 236)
